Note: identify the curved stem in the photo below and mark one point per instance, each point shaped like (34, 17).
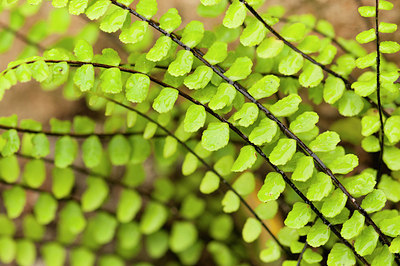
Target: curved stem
(302, 253)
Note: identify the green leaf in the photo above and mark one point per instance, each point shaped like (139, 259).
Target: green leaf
(319, 234)
(183, 235)
(193, 33)
(286, 106)
(59, 3)
(326, 141)
(253, 34)
(63, 182)
(110, 81)
(199, 79)
(341, 255)
(108, 57)
(221, 227)
(370, 125)
(210, 2)
(385, 27)
(65, 152)
(137, 88)
(45, 208)
(367, 11)
(390, 157)
(361, 184)
(135, 33)
(390, 187)
(182, 64)
(95, 194)
(34, 173)
(97, 9)
(84, 77)
(310, 44)
(291, 64)
(9, 169)
(304, 169)
(14, 200)
(304, 122)
(270, 48)
(92, 151)
(216, 136)
(12, 143)
(235, 15)
(344, 164)
(190, 164)
(119, 150)
(128, 205)
(283, 151)
(383, 257)
(195, 118)
(395, 245)
(147, 8)
(40, 70)
(192, 207)
(334, 204)
(366, 61)
(77, 7)
(265, 87)
(245, 184)
(240, 69)
(81, 256)
(352, 227)
(366, 36)
(114, 20)
(171, 20)
(153, 218)
(217, 53)
(374, 201)
(53, 254)
(320, 187)
(350, 104)
(392, 128)
(224, 97)
(294, 32)
(389, 47)
(366, 242)
(165, 100)
(251, 230)
(26, 252)
(230, 202)
(264, 132)
(247, 157)
(327, 54)
(272, 188)
(333, 89)
(311, 76)
(299, 216)
(385, 5)
(247, 115)
(8, 249)
(209, 183)
(271, 253)
(160, 50)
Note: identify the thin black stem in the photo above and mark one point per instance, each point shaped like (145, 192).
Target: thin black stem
(378, 92)
(302, 253)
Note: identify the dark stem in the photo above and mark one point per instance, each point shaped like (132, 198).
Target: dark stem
(378, 92)
(302, 253)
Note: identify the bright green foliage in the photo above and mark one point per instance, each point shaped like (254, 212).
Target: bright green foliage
(165, 100)
(209, 140)
(264, 132)
(235, 15)
(247, 157)
(181, 65)
(283, 151)
(287, 106)
(341, 255)
(299, 216)
(195, 118)
(240, 69)
(352, 227)
(265, 87)
(110, 183)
